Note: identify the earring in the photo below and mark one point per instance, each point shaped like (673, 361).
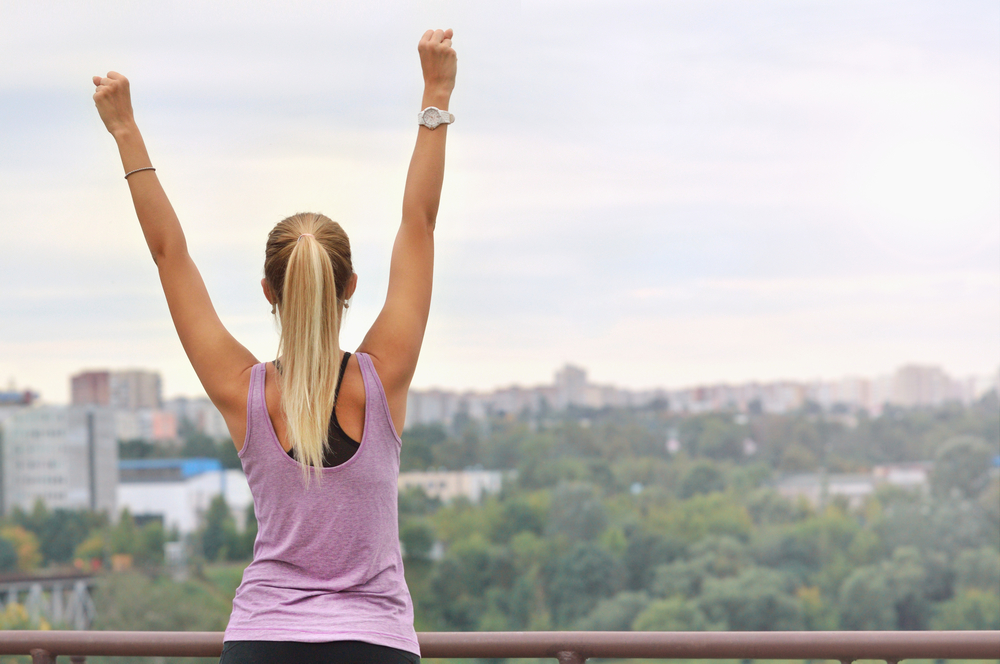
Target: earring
(274, 308)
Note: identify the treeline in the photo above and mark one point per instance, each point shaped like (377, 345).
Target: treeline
(89, 541)
(603, 529)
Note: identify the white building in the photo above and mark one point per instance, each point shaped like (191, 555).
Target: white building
(447, 485)
(816, 489)
(67, 456)
(854, 487)
(179, 491)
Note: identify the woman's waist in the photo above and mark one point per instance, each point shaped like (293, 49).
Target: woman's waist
(364, 573)
(262, 604)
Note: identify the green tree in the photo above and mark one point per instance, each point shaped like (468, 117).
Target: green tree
(249, 535)
(62, 532)
(756, 600)
(703, 477)
(8, 555)
(674, 614)
(419, 443)
(136, 448)
(646, 550)
(720, 439)
(226, 453)
(579, 579)
(615, 614)
(576, 512)
(961, 468)
(723, 555)
(152, 539)
(694, 519)
(462, 578)
(978, 569)
(908, 583)
(970, 609)
(681, 578)
(417, 537)
(415, 501)
(198, 444)
(517, 514)
(866, 600)
(124, 535)
(219, 531)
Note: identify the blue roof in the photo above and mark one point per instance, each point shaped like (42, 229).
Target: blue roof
(188, 467)
(17, 397)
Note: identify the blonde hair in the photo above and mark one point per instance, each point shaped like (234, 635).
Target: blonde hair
(307, 265)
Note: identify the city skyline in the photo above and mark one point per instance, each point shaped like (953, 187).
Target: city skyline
(724, 192)
(977, 382)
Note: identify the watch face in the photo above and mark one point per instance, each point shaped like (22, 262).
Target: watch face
(432, 118)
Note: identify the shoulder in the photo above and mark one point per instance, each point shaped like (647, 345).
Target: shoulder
(394, 384)
(232, 404)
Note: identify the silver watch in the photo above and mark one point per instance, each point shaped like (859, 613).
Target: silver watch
(432, 116)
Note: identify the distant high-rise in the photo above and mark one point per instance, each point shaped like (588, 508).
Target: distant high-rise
(123, 390)
(91, 388)
(916, 385)
(67, 456)
(571, 386)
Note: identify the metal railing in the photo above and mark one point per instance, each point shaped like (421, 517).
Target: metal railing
(566, 647)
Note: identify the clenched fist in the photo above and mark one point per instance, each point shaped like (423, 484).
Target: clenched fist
(438, 61)
(113, 101)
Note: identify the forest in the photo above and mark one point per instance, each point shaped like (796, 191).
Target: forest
(599, 527)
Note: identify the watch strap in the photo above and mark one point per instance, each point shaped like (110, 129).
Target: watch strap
(446, 117)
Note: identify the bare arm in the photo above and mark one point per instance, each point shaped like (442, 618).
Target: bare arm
(217, 358)
(395, 338)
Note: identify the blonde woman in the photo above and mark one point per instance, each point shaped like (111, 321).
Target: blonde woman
(317, 429)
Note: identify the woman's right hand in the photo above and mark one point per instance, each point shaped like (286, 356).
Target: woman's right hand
(114, 102)
(438, 61)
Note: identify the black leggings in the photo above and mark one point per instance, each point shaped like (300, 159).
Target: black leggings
(293, 652)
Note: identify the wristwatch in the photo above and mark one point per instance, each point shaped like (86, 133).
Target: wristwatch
(432, 116)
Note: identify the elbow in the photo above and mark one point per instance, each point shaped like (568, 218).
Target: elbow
(422, 219)
(165, 251)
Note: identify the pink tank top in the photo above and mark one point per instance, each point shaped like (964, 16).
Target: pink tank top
(326, 562)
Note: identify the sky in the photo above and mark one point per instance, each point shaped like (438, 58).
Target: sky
(664, 193)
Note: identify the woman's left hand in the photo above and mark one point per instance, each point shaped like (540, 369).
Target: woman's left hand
(114, 102)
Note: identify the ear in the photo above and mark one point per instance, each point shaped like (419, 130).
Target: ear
(352, 283)
(267, 291)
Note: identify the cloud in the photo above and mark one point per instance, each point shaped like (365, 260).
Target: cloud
(653, 190)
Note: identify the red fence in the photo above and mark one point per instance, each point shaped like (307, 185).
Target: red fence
(567, 647)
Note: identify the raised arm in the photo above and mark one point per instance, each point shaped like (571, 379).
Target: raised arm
(395, 338)
(218, 359)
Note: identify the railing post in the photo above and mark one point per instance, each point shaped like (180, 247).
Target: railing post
(570, 657)
(39, 656)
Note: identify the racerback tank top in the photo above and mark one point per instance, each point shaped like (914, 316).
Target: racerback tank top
(326, 562)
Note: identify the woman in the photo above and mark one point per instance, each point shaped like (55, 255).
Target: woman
(316, 430)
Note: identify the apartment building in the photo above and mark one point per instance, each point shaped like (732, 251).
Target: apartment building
(67, 456)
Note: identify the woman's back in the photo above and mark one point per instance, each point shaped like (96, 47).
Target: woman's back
(327, 565)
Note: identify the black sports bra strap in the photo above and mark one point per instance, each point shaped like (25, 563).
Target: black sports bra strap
(340, 377)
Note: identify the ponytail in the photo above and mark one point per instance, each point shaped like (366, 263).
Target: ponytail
(309, 302)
